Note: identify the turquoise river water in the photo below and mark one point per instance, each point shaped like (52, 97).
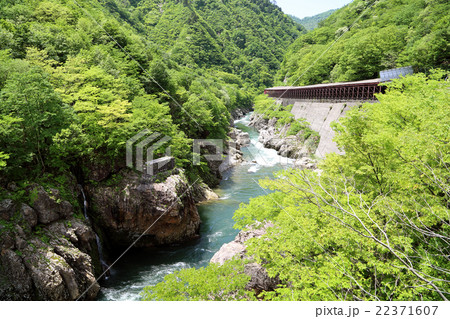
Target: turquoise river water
(137, 270)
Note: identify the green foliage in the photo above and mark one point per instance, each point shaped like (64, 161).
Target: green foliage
(373, 224)
(73, 92)
(244, 38)
(302, 129)
(329, 226)
(3, 158)
(297, 126)
(390, 34)
(33, 196)
(31, 114)
(269, 109)
(42, 234)
(224, 283)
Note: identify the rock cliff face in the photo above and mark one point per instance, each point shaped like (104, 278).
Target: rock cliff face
(136, 204)
(240, 138)
(202, 193)
(48, 252)
(233, 153)
(238, 113)
(45, 250)
(260, 280)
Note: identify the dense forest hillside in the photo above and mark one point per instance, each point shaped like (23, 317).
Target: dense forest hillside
(310, 23)
(78, 79)
(381, 35)
(246, 38)
(99, 72)
(371, 224)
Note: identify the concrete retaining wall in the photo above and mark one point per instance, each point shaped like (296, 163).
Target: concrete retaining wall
(320, 115)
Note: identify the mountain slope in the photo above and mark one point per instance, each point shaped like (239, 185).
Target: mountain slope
(310, 23)
(389, 34)
(245, 38)
(78, 79)
(111, 63)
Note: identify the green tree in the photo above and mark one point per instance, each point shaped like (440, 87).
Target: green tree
(33, 113)
(371, 37)
(224, 284)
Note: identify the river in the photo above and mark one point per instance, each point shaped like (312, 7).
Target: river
(138, 269)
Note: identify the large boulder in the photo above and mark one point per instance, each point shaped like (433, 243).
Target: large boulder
(233, 158)
(232, 151)
(49, 205)
(203, 193)
(15, 281)
(141, 206)
(237, 114)
(100, 169)
(277, 138)
(29, 215)
(228, 251)
(45, 251)
(306, 163)
(259, 279)
(60, 272)
(239, 137)
(258, 122)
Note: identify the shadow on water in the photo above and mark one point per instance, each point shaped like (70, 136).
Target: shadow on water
(141, 268)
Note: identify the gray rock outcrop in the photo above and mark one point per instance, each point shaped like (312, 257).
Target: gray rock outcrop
(45, 250)
(238, 113)
(163, 212)
(233, 153)
(47, 207)
(7, 209)
(241, 138)
(260, 280)
(203, 193)
(305, 163)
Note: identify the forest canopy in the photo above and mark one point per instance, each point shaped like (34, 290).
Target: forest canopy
(372, 225)
(367, 36)
(79, 78)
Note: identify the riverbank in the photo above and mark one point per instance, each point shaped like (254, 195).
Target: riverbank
(147, 267)
(300, 147)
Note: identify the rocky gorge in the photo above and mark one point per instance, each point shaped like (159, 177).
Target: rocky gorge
(52, 248)
(49, 250)
(140, 269)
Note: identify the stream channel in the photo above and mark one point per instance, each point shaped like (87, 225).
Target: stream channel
(138, 269)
